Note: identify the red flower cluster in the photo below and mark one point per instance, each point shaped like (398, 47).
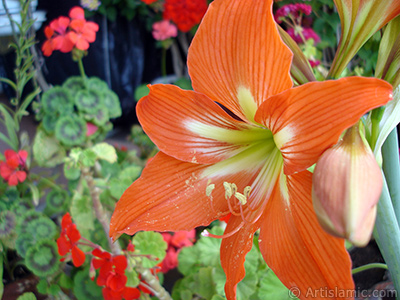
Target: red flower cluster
(175, 243)
(65, 33)
(185, 13)
(112, 276)
(67, 242)
(294, 10)
(13, 168)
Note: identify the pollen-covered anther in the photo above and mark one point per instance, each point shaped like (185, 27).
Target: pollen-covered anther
(242, 198)
(228, 190)
(209, 189)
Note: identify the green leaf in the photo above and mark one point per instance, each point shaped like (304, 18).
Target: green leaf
(209, 248)
(88, 158)
(184, 83)
(141, 91)
(150, 243)
(11, 126)
(35, 193)
(82, 211)
(71, 172)
(133, 278)
(205, 286)
(27, 296)
(106, 152)
(85, 288)
(189, 260)
(47, 151)
(272, 288)
(71, 130)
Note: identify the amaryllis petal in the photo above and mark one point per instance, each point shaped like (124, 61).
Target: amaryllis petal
(308, 119)
(78, 256)
(193, 128)
(360, 19)
(237, 57)
(298, 250)
(172, 198)
(233, 253)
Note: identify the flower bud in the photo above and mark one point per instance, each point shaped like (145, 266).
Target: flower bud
(347, 184)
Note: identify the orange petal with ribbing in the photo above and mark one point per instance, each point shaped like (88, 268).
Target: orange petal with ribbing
(233, 253)
(303, 256)
(190, 127)
(171, 195)
(308, 119)
(238, 47)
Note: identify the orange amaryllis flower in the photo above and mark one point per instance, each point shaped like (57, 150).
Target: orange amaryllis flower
(360, 19)
(244, 123)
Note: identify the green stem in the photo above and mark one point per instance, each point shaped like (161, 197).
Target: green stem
(369, 266)
(387, 235)
(391, 168)
(153, 282)
(376, 116)
(164, 62)
(81, 69)
(101, 215)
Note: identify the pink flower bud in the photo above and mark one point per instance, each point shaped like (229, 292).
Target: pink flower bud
(347, 184)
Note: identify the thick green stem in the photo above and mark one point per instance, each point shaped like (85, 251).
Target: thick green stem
(391, 168)
(387, 235)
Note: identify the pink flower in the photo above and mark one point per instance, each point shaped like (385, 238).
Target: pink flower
(170, 261)
(308, 33)
(164, 30)
(295, 10)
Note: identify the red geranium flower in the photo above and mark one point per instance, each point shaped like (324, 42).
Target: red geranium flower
(67, 242)
(112, 276)
(12, 169)
(65, 33)
(185, 13)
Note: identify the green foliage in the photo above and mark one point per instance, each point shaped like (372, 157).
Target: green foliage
(23, 242)
(88, 100)
(27, 296)
(85, 288)
(8, 223)
(141, 91)
(57, 100)
(42, 228)
(95, 83)
(124, 180)
(82, 211)
(150, 243)
(106, 152)
(71, 130)
(56, 201)
(47, 150)
(42, 259)
(204, 277)
(111, 101)
(74, 84)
